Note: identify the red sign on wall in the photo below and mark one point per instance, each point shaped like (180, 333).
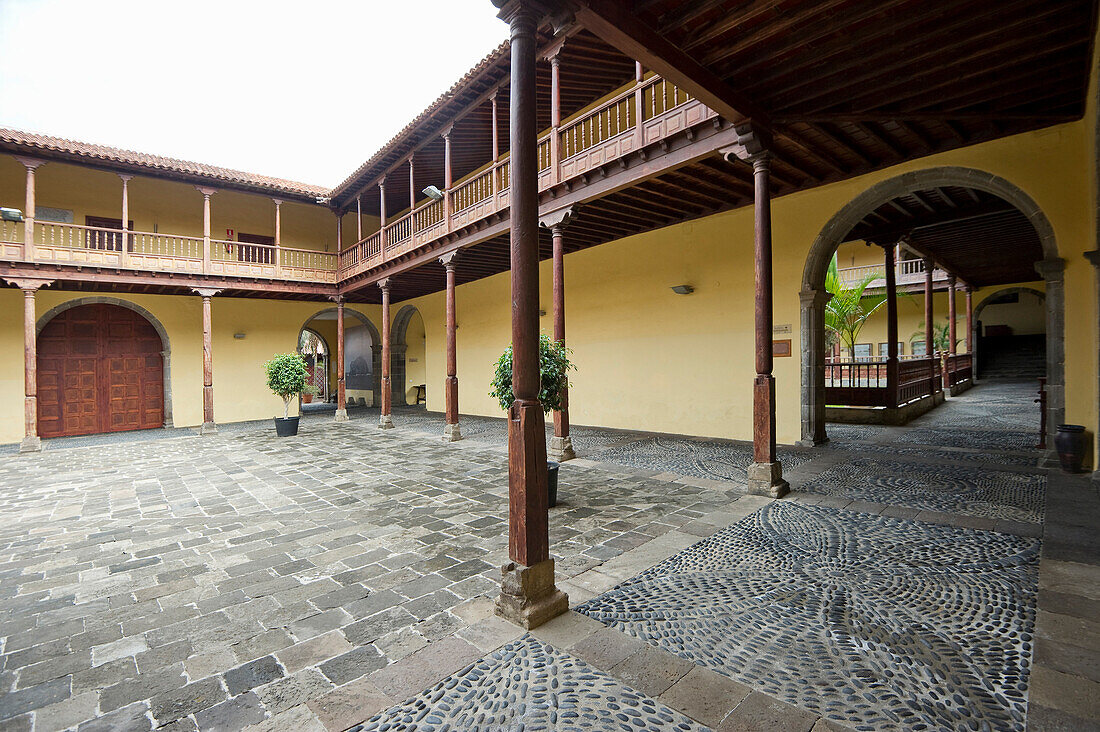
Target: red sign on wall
(229, 235)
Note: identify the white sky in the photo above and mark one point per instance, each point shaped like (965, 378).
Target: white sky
(300, 90)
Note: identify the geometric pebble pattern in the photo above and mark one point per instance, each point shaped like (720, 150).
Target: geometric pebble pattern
(699, 458)
(529, 685)
(947, 488)
(877, 623)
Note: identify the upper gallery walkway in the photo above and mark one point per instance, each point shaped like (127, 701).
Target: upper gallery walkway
(242, 581)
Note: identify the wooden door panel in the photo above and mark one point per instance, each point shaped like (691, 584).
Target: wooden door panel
(100, 370)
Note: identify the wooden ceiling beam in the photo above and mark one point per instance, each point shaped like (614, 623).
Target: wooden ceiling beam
(872, 129)
(835, 136)
(932, 220)
(619, 27)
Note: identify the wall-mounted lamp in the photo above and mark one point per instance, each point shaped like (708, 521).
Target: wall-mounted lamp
(239, 336)
(542, 313)
(11, 214)
(683, 289)
(433, 193)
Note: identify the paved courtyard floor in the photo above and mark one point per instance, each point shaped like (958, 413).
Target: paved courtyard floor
(922, 577)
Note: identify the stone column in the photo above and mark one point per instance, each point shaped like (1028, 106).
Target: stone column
(385, 422)
(206, 194)
(561, 444)
(951, 314)
(528, 596)
(929, 348)
(891, 327)
(31, 164)
(208, 425)
(1094, 258)
(29, 286)
(124, 247)
(451, 431)
(341, 396)
(1053, 272)
(813, 366)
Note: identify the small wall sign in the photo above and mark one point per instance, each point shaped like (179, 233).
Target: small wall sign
(781, 349)
(781, 329)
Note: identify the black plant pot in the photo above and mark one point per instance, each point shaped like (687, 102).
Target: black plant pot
(286, 426)
(552, 483)
(1070, 443)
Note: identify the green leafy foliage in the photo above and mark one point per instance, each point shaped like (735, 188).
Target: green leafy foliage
(287, 375)
(554, 369)
(941, 337)
(849, 308)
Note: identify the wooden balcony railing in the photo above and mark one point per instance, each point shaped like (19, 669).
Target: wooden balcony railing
(863, 382)
(908, 272)
(593, 138)
(959, 368)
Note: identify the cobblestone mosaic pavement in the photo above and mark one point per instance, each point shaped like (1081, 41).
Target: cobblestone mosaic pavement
(203, 578)
(875, 622)
(935, 487)
(529, 685)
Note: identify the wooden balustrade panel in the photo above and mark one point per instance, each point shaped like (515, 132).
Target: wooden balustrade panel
(99, 370)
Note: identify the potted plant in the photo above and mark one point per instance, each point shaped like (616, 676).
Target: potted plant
(287, 376)
(554, 368)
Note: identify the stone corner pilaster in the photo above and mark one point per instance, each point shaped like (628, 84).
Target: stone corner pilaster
(385, 422)
(208, 428)
(31, 444)
(766, 479)
(452, 433)
(528, 596)
(560, 449)
(341, 415)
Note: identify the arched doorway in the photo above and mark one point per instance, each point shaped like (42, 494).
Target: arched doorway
(813, 295)
(362, 353)
(1010, 328)
(101, 368)
(407, 354)
(313, 348)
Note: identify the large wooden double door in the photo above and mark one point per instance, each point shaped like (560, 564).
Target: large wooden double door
(100, 369)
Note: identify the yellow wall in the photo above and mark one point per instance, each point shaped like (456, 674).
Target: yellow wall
(415, 352)
(650, 359)
(240, 392)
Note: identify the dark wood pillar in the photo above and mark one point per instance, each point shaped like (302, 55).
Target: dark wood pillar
(31, 442)
(448, 176)
(891, 326)
(341, 394)
(561, 444)
(970, 327)
(929, 347)
(451, 431)
(208, 425)
(555, 113)
(412, 183)
(382, 214)
(528, 595)
(31, 164)
(386, 421)
(951, 314)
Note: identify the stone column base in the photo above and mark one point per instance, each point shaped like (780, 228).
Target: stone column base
(208, 428)
(32, 443)
(451, 433)
(811, 442)
(766, 479)
(341, 415)
(528, 596)
(385, 422)
(561, 449)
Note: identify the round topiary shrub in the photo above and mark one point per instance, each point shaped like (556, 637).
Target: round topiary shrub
(554, 368)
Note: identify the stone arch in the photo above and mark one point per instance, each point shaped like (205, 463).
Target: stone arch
(376, 347)
(166, 348)
(398, 347)
(813, 296)
(1006, 291)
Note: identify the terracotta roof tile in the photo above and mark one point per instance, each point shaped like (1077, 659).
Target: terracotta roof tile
(29, 142)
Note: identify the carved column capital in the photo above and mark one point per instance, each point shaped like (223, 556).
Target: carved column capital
(815, 297)
(445, 133)
(126, 177)
(384, 285)
(277, 201)
(205, 191)
(559, 219)
(448, 260)
(752, 146)
(30, 163)
(1051, 269)
(205, 292)
(338, 299)
(29, 285)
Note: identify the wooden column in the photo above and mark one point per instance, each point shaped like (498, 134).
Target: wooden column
(929, 348)
(358, 218)
(386, 421)
(451, 431)
(208, 425)
(341, 395)
(970, 326)
(124, 248)
(891, 327)
(29, 286)
(561, 444)
(765, 474)
(339, 231)
(555, 114)
(382, 215)
(527, 595)
(639, 106)
(448, 180)
(412, 185)
(206, 194)
(31, 164)
(951, 314)
(279, 233)
(496, 143)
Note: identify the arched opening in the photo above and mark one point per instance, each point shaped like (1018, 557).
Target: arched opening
(1010, 328)
(314, 349)
(408, 342)
(102, 366)
(362, 356)
(980, 227)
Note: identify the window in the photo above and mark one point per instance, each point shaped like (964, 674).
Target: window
(96, 238)
(883, 349)
(258, 254)
(918, 348)
(863, 352)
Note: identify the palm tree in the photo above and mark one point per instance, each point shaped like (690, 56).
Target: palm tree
(941, 337)
(849, 308)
